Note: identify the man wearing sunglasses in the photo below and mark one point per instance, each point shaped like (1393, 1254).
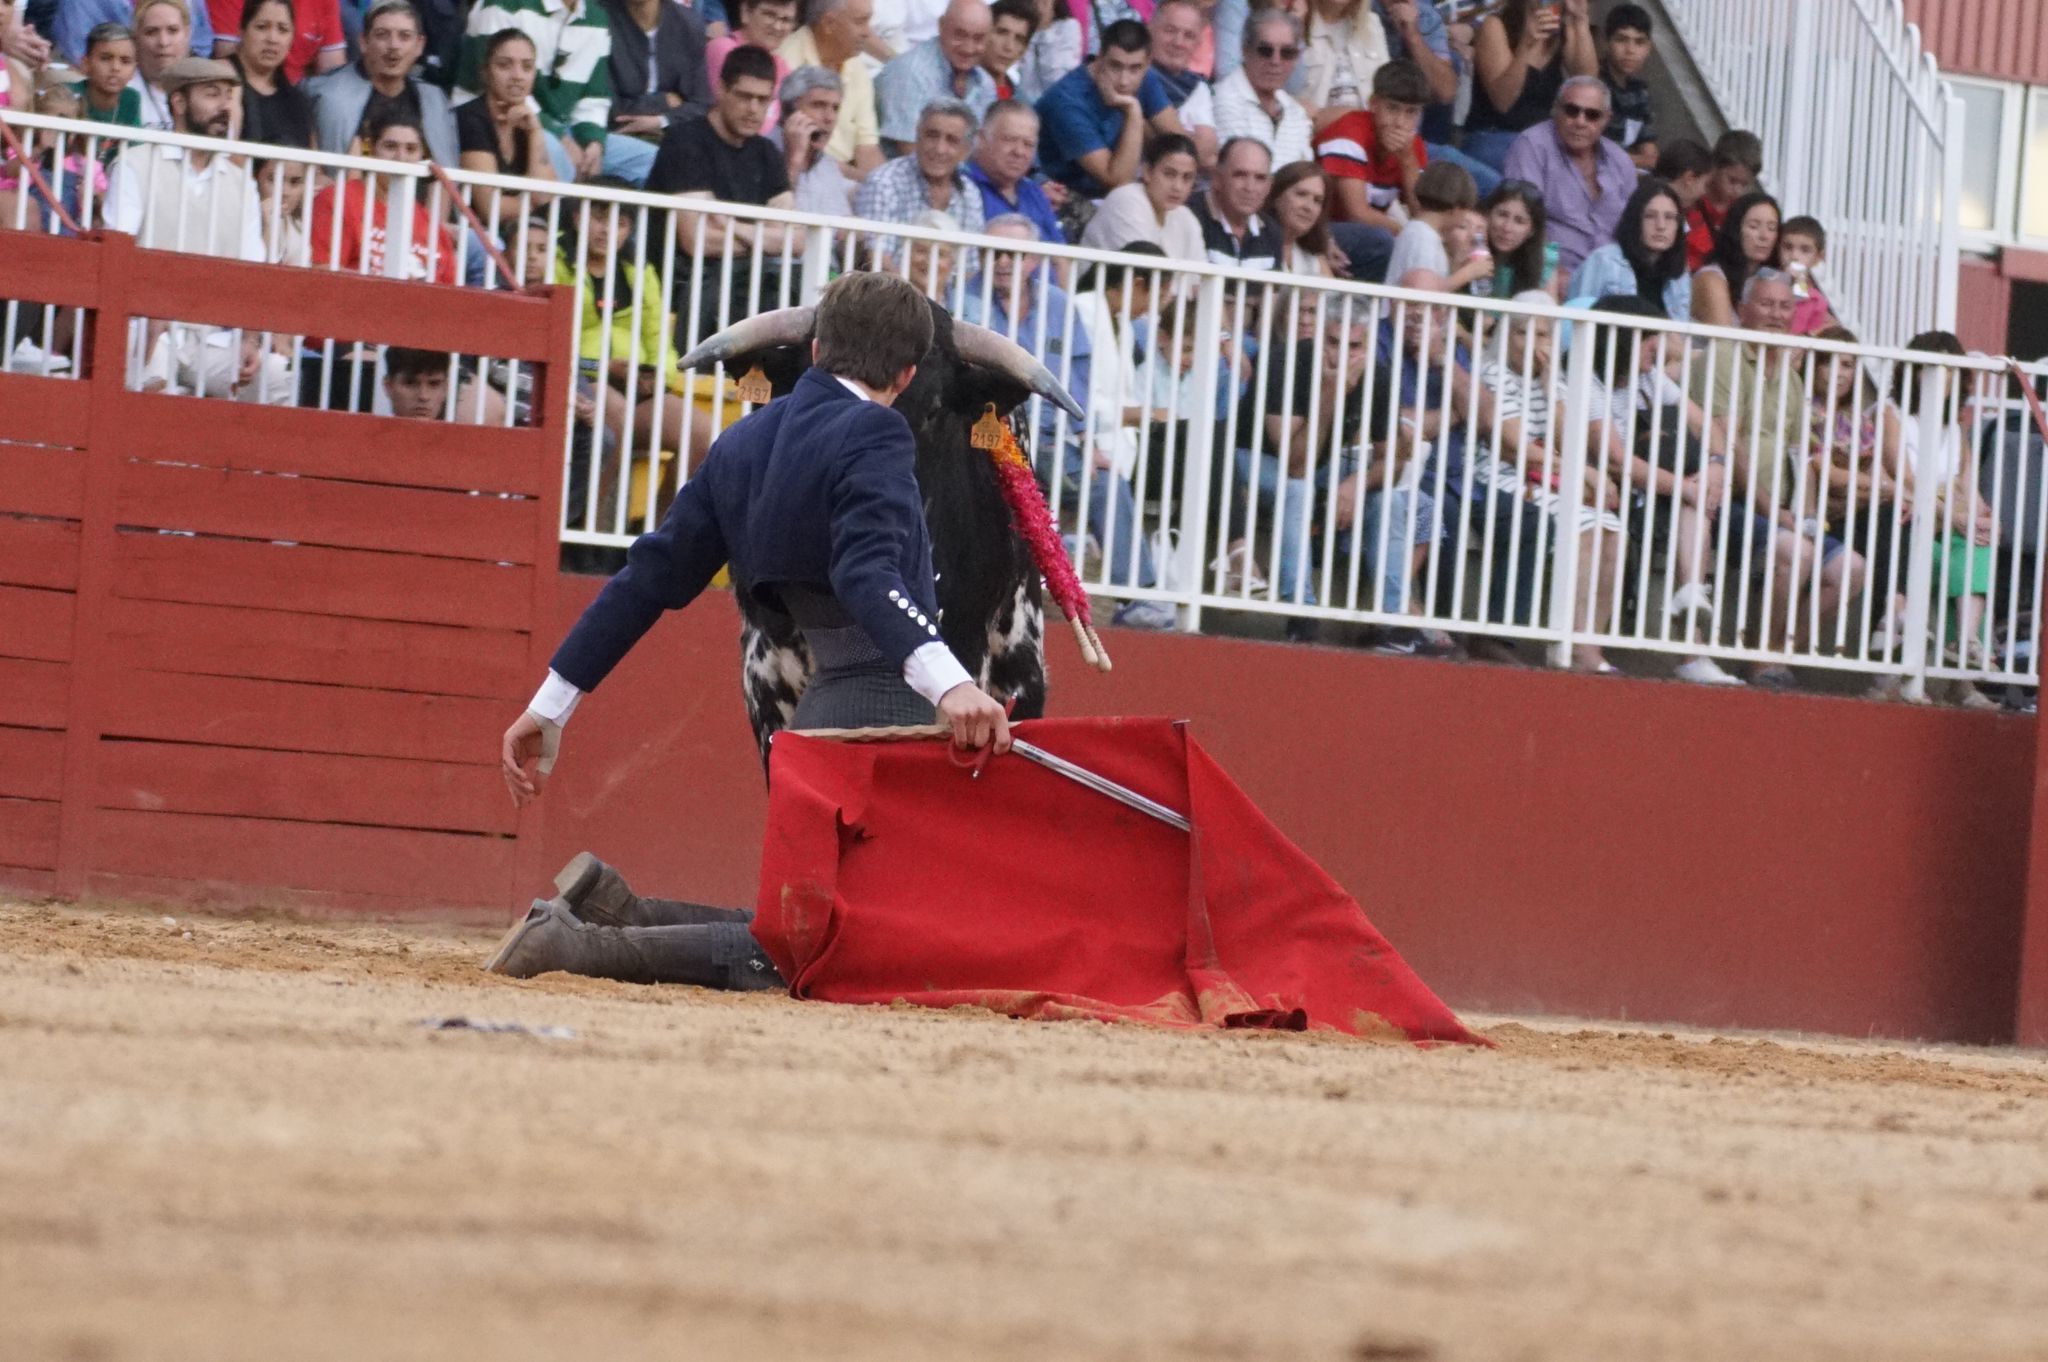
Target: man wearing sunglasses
(1252, 101)
(1585, 178)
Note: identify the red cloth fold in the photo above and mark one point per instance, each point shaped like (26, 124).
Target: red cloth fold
(889, 873)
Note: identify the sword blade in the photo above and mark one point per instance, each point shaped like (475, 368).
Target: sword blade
(1103, 785)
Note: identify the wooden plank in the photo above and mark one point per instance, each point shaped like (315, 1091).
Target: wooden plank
(28, 834)
(223, 896)
(21, 883)
(501, 324)
(42, 268)
(215, 640)
(34, 694)
(432, 867)
(304, 786)
(39, 553)
(371, 449)
(322, 512)
(42, 411)
(41, 480)
(31, 763)
(234, 712)
(319, 581)
(35, 624)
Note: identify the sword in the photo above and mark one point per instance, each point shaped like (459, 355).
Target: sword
(1081, 775)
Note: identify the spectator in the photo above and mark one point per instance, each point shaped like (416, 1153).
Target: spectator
(1177, 28)
(835, 38)
(624, 331)
(1966, 544)
(416, 383)
(1803, 243)
(1646, 259)
(1092, 121)
(1010, 25)
(1308, 426)
(1026, 306)
(1416, 32)
(163, 37)
(1517, 237)
(68, 176)
(1629, 44)
(386, 77)
(810, 98)
(1298, 205)
(1232, 228)
(77, 18)
(1678, 480)
(1055, 49)
(657, 66)
(1445, 198)
(315, 45)
(765, 24)
(1252, 101)
(274, 110)
(1684, 165)
(1373, 156)
(946, 67)
(1001, 169)
(1738, 160)
(1522, 462)
(572, 43)
(499, 133)
(1756, 382)
(1585, 179)
(107, 94)
(1344, 46)
(1747, 241)
(175, 199)
(281, 202)
(351, 234)
(900, 25)
(929, 178)
(1154, 210)
(1522, 55)
(932, 266)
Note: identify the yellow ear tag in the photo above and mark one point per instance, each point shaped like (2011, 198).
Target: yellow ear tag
(988, 431)
(755, 388)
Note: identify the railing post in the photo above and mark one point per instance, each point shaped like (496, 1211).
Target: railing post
(1564, 557)
(399, 199)
(1796, 125)
(1928, 468)
(1949, 252)
(817, 270)
(1200, 450)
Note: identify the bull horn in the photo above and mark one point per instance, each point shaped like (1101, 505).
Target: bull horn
(979, 345)
(784, 326)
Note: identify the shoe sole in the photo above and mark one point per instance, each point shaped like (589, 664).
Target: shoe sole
(510, 941)
(583, 866)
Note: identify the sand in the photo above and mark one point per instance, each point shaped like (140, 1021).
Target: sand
(241, 1143)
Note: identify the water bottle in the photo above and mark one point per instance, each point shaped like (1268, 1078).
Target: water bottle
(1801, 287)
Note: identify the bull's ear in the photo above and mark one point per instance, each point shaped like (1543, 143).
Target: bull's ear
(778, 343)
(783, 364)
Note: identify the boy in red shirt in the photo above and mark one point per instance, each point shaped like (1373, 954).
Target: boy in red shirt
(1373, 155)
(1738, 160)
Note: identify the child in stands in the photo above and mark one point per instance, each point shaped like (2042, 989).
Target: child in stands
(1803, 243)
(1738, 160)
(1634, 122)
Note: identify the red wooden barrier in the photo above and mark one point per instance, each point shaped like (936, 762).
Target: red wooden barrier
(260, 654)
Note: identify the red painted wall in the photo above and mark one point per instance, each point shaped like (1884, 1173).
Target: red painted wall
(1530, 841)
(1983, 305)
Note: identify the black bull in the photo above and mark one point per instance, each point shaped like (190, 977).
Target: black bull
(991, 612)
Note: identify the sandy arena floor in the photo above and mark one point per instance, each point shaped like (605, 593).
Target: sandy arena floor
(241, 1143)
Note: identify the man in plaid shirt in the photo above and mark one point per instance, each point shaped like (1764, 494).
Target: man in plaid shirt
(572, 87)
(929, 178)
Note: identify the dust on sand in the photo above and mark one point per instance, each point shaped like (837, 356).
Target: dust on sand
(242, 1144)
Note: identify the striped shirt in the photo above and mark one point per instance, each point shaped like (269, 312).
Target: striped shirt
(1239, 114)
(572, 42)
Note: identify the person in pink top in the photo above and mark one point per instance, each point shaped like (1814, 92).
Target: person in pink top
(759, 23)
(1804, 244)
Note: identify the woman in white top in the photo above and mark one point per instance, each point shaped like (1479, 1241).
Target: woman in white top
(1297, 205)
(1154, 207)
(1115, 305)
(163, 35)
(1344, 45)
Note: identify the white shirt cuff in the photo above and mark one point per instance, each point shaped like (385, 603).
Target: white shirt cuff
(932, 670)
(556, 699)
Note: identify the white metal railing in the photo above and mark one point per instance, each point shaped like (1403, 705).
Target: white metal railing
(1859, 130)
(1275, 444)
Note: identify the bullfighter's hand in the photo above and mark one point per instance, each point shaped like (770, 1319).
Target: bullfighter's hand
(528, 756)
(976, 720)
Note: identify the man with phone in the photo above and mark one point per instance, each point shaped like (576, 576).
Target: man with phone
(811, 97)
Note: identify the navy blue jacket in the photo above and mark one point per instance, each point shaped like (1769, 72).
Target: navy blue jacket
(817, 488)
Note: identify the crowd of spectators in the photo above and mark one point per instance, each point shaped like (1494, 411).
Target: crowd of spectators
(1315, 138)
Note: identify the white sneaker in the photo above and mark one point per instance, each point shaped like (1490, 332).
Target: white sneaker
(1704, 671)
(1691, 596)
(1241, 575)
(1145, 615)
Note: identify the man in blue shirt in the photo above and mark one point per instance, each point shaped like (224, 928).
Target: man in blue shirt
(1042, 325)
(1001, 170)
(1094, 119)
